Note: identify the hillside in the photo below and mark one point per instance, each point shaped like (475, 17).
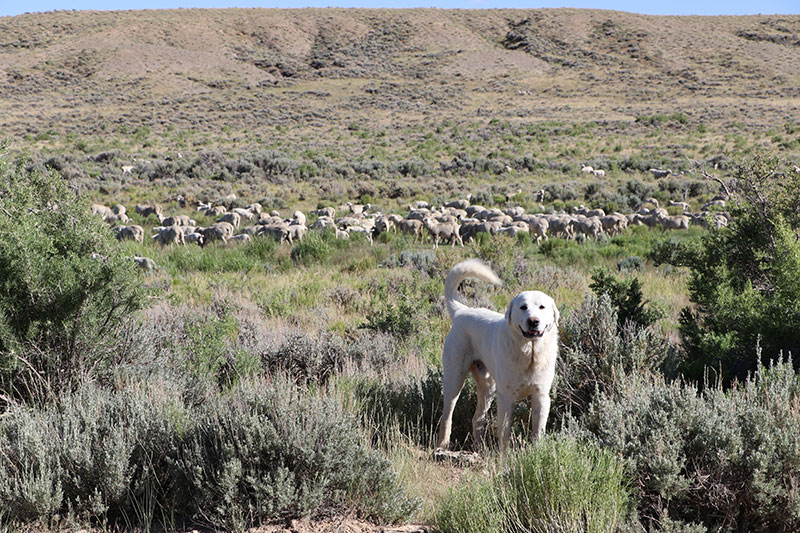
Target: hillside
(357, 83)
(242, 68)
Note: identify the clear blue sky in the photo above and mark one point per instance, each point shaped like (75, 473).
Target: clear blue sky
(675, 7)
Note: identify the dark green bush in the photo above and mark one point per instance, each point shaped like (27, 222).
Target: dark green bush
(744, 281)
(65, 285)
(725, 459)
(558, 484)
(626, 296)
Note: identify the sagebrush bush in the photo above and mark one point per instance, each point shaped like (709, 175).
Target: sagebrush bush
(596, 353)
(88, 458)
(160, 452)
(317, 357)
(726, 459)
(269, 451)
(65, 285)
(422, 260)
(412, 404)
(556, 484)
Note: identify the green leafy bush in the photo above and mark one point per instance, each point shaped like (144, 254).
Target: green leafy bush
(744, 281)
(725, 459)
(557, 484)
(626, 296)
(65, 285)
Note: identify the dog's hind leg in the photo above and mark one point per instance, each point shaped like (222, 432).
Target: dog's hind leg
(485, 387)
(453, 377)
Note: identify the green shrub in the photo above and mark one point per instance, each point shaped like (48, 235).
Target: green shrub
(211, 349)
(400, 320)
(626, 296)
(744, 281)
(632, 263)
(313, 249)
(557, 484)
(414, 405)
(65, 286)
(724, 459)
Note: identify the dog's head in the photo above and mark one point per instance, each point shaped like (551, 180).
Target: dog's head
(531, 314)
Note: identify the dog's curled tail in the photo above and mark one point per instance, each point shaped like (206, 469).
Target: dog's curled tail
(471, 268)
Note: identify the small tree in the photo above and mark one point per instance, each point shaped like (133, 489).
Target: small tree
(65, 286)
(744, 278)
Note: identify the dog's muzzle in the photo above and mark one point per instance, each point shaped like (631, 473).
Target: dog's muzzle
(532, 334)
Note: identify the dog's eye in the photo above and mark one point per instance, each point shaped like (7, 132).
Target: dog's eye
(541, 307)
(523, 307)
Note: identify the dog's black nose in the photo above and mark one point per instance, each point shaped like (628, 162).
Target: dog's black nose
(533, 322)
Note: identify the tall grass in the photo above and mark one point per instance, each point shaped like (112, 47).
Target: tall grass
(557, 484)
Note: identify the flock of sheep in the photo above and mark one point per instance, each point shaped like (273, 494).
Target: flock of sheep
(456, 222)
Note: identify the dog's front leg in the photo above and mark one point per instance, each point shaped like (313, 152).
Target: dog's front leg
(505, 408)
(540, 408)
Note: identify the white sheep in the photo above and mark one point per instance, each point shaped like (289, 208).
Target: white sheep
(132, 233)
(299, 218)
(194, 238)
(219, 231)
(443, 231)
(169, 235)
(683, 205)
(240, 239)
(412, 226)
(659, 173)
(232, 218)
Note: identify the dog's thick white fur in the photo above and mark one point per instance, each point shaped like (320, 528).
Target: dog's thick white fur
(513, 354)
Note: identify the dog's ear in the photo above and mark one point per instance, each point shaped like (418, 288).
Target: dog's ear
(508, 311)
(556, 313)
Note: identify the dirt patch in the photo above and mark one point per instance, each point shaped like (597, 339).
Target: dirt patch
(343, 525)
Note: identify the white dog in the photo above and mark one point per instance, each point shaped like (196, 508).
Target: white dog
(513, 353)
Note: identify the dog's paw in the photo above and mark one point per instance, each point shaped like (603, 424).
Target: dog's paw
(462, 458)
